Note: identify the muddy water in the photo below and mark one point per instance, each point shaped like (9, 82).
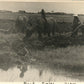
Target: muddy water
(34, 73)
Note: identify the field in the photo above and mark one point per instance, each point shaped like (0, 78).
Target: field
(14, 51)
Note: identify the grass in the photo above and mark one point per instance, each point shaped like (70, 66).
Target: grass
(62, 56)
(72, 55)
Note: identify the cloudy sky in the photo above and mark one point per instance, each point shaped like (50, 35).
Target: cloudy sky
(68, 7)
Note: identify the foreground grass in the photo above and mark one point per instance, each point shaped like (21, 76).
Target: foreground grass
(12, 53)
(68, 56)
(72, 55)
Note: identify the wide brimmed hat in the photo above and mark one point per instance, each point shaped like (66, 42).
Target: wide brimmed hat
(75, 15)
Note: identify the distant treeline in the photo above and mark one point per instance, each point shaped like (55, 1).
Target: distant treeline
(57, 13)
(49, 13)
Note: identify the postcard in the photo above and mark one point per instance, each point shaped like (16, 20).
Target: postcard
(42, 41)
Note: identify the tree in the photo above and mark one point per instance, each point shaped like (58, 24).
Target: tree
(22, 11)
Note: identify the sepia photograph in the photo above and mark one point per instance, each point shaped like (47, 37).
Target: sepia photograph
(41, 41)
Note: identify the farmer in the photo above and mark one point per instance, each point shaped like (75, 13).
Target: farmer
(45, 20)
(76, 23)
(43, 14)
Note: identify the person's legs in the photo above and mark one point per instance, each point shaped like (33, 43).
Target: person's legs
(74, 31)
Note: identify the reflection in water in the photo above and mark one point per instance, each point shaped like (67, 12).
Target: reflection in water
(40, 72)
(23, 68)
(32, 73)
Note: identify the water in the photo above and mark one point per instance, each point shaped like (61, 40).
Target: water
(34, 73)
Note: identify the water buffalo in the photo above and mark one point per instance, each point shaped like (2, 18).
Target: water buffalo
(21, 23)
(41, 27)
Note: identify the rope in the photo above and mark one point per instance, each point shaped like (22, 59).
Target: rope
(78, 27)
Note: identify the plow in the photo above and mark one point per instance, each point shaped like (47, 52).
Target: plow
(65, 39)
(77, 29)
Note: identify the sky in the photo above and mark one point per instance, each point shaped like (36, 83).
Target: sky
(67, 7)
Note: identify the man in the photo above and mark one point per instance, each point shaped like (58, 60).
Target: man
(76, 23)
(43, 14)
(45, 20)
